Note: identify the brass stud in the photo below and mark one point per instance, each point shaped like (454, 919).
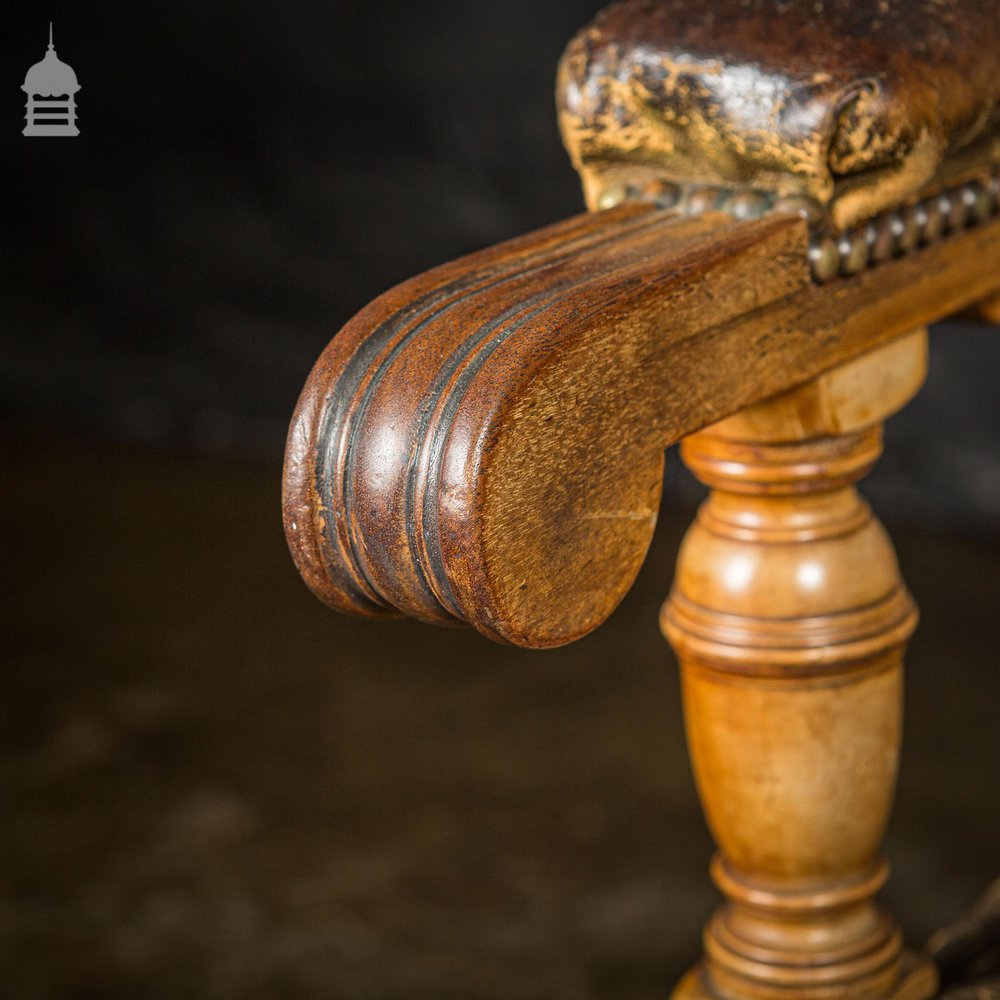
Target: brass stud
(853, 251)
(944, 200)
(824, 258)
(982, 204)
(961, 207)
(931, 220)
(702, 199)
(748, 204)
(881, 235)
(612, 196)
(907, 229)
(894, 233)
(662, 193)
(810, 209)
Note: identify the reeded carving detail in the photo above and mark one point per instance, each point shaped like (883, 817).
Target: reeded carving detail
(484, 443)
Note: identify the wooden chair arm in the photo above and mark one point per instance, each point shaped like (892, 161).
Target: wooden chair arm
(484, 443)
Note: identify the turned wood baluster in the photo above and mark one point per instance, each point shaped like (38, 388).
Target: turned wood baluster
(789, 618)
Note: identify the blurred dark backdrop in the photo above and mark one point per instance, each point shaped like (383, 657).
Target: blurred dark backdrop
(249, 175)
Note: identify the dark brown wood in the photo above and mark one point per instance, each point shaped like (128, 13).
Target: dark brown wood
(484, 442)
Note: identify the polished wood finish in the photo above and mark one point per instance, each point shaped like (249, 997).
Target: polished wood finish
(484, 443)
(789, 618)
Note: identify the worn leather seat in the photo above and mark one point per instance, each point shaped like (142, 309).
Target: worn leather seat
(857, 103)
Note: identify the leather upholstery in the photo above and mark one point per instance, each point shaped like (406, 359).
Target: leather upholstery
(858, 103)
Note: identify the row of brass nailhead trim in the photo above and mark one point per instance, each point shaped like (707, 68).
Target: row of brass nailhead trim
(890, 234)
(900, 231)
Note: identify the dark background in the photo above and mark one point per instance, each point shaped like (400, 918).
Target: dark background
(249, 175)
(210, 785)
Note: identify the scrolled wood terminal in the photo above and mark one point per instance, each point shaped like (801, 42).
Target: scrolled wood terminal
(479, 443)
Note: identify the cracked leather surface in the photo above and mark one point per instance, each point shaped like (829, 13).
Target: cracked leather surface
(858, 103)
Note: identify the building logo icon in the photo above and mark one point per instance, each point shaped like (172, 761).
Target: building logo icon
(51, 87)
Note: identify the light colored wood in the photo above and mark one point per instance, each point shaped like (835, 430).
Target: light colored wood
(789, 618)
(918, 980)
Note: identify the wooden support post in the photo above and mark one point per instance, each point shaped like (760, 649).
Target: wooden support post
(789, 618)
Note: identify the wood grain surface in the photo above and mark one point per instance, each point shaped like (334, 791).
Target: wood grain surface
(483, 443)
(789, 618)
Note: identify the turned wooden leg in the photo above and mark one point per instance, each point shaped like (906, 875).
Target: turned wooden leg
(789, 618)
